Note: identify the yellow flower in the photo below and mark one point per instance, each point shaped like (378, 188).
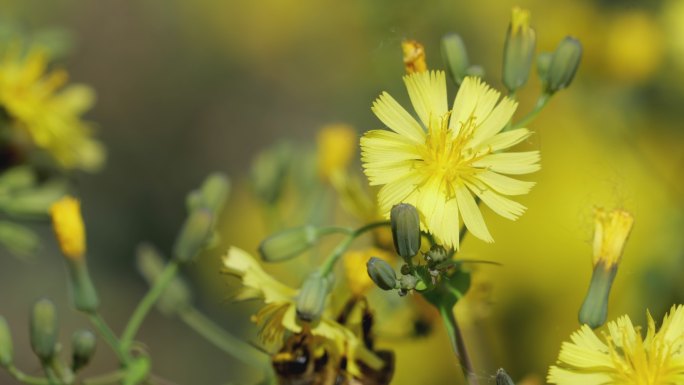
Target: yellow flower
(624, 358)
(38, 103)
(355, 268)
(610, 234)
(68, 226)
(438, 164)
(279, 313)
(336, 145)
(414, 56)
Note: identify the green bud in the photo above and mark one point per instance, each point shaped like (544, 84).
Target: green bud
(312, 297)
(594, 309)
(455, 56)
(436, 254)
(17, 178)
(518, 50)
(543, 64)
(405, 269)
(6, 348)
(405, 230)
(408, 282)
(44, 330)
(214, 192)
(502, 378)
(269, 170)
(381, 273)
(83, 348)
(177, 296)
(196, 232)
(288, 243)
(83, 293)
(18, 239)
(564, 64)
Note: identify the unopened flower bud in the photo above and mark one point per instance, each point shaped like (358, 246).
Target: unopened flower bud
(67, 223)
(177, 296)
(381, 273)
(543, 64)
(83, 348)
(268, 173)
(502, 378)
(518, 50)
(44, 329)
(564, 64)
(594, 309)
(288, 244)
(414, 56)
(405, 269)
(455, 56)
(408, 282)
(6, 347)
(195, 234)
(405, 230)
(312, 297)
(436, 254)
(214, 192)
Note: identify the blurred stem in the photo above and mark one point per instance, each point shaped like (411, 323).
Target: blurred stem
(25, 378)
(146, 304)
(225, 341)
(541, 103)
(335, 255)
(105, 379)
(108, 335)
(457, 343)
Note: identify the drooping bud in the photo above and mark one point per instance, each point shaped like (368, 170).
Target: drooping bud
(67, 223)
(355, 262)
(312, 297)
(414, 56)
(6, 347)
(502, 378)
(405, 224)
(518, 50)
(455, 57)
(83, 348)
(288, 243)
(177, 296)
(195, 234)
(382, 274)
(564, 64)
(44, 329)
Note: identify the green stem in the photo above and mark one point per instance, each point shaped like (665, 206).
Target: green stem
(146, 304)
(457, 343)
(108, 335)
(25, 378)
(225, 341)
(335, 255)
(541, 103)
(105, 379)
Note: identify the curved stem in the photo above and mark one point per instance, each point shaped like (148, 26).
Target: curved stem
(335, 255)
(105, 379)
(541, 103)
(25, 378)
(457, 343)
(146, 304)
(108, 335)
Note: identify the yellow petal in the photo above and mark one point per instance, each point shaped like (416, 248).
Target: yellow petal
(502, 141)
(503, 206)
(472, 217)
(511, 162)
(428, 94)
(504, 184)
(397, 118)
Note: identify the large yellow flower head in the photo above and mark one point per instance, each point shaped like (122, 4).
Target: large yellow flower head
(39, 104)
(440, 164)
(624, 358)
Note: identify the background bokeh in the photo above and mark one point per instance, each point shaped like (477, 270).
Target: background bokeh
(188, 87)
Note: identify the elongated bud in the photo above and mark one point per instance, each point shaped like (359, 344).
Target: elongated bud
(414, 56)
(455, 56)
(543, 65)
(83, 293)
(195, 234)
(83, 348)
(382, 274)
(405, 230)
(564, 64)
(268, 173)
(214, 192)
(288, 243)
(44, 329)
(594, 310)
(518, 50)
(6, 347)
(177, 296)
(502, 378)
(68, 226)
(312, 297)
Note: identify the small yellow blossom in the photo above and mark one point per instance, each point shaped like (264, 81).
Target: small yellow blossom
(625, 358)
(610, 234)
(336, 146)
(414, 56)
(68, 226)
(279, 313)
(438, 164)
(38, 103)
(355, 268)
(520, 20)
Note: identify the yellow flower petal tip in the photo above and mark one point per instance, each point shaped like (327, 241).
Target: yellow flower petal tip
(612, 229)
(414, 56)
(67, 223)
(448, 159)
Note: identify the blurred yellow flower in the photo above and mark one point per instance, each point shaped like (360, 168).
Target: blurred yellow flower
(634, 46)
(624, 358)
(355, 268)
(279, 314)
(439, 165)
(414, 56)
(336, 146)
(34, 103)
(611, 231)
(67, 223)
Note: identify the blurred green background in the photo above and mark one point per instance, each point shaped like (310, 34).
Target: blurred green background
(188, 87)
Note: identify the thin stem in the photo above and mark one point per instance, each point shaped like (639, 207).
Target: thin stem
(108, 335)
(457, 343)
(335, 255)
(25, 378)
(541, 103)
(105, 379)
(146, 304)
